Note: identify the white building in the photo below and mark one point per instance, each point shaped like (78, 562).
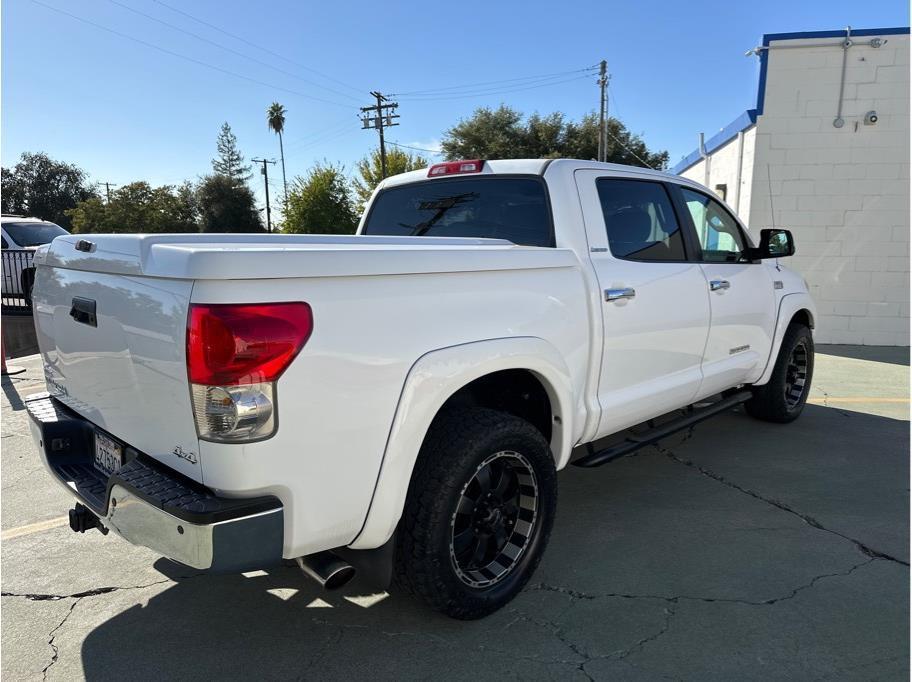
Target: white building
(825, 153)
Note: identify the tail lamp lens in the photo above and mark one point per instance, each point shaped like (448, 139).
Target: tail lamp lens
(235, 354)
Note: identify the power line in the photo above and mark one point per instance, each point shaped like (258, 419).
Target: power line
(191, 59)
(317, 133)
(228, 49)
(632, 153)
(434, 91)
(259, 47)
(327, 138)
(417, 149)
(497, 91)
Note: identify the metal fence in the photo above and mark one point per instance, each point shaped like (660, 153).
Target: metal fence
(18, 275)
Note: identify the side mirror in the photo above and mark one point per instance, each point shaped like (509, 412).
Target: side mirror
(774, 244)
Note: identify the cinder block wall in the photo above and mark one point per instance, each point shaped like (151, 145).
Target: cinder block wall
(844, 192)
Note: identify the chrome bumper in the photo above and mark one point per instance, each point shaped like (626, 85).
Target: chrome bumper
(150, 505)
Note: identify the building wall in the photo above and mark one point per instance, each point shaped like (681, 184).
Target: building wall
(844, 192)
(723, 169)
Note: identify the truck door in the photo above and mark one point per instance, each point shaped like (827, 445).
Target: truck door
(742, 298)
(654, 301)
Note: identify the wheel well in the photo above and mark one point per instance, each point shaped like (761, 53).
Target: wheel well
(515, 391)
(804, 317)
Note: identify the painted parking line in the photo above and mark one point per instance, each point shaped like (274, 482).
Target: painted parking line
(860, 399)
(34, 528)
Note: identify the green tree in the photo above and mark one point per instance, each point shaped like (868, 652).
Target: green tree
(226, 204)
(370, 170)
(275, 119)
(503, 133)
(41, 187)
(230, 161)
(321, 203)
(138, 208)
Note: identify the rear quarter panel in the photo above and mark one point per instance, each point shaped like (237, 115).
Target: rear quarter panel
(337, 401)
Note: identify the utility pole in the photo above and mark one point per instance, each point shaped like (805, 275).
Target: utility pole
(603, 111)
(108, 186)
(380, 116)
(265, 173)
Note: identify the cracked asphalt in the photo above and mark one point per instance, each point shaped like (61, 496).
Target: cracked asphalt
(741, 550)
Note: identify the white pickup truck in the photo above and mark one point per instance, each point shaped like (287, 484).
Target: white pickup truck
(399, 401)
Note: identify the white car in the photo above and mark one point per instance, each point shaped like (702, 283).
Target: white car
(400, 401)
(20, 237)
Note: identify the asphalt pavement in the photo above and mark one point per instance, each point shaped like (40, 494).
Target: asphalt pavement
(742, 550)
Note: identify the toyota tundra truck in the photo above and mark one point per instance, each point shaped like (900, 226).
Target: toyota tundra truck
(400, 400)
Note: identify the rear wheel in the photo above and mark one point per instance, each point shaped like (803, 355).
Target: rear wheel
(478, 514)
(783, 398)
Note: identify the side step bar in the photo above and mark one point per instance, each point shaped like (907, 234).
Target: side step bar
(693, 416)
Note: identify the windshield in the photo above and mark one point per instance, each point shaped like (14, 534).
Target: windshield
(514, 209)
(33, 234)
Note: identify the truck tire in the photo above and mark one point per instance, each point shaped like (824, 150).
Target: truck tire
(783, 397)
(478, 513)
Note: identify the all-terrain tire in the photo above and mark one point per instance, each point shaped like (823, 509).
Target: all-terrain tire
(783, 398)
(456, 448)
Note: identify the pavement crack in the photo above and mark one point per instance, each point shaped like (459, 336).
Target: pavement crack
(38, 596)
(52, 635)
(807, 518)
(675, 599)
(669, 615)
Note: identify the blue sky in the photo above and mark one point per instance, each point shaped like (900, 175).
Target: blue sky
(125, 110)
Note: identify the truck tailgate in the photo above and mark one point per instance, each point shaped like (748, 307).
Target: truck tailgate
(113, 346)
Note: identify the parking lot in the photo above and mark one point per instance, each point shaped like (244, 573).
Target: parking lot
(743, 550)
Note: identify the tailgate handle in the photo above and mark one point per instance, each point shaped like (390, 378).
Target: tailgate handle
(83, 311)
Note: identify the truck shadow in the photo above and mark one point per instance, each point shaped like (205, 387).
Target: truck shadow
(277, 624)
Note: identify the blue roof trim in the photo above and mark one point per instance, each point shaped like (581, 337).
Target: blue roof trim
(694, 156)
(723, 137)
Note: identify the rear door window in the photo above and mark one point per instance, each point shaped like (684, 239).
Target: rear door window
(640, 220)
(511, 208)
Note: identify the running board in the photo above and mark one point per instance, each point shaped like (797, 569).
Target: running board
(693, 416)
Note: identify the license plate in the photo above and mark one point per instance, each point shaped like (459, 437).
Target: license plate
(108, 454)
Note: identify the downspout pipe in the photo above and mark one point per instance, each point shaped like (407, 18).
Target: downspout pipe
(706, 160)
(736, 200)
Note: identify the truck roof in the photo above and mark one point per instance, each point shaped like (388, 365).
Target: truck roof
(533, 167)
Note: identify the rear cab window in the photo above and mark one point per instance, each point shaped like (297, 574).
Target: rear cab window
(512, 208)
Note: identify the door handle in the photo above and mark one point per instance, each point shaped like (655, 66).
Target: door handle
(719, 284)
(618, 294)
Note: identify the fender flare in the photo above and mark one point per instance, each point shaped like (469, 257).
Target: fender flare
(789, 305)
(431, 381)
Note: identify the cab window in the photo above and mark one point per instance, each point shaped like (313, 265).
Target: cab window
(640, 220)
(717, 230)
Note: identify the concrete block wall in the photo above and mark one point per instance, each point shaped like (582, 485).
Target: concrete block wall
(844, 192)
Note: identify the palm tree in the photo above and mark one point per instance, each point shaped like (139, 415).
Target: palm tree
(275, 119)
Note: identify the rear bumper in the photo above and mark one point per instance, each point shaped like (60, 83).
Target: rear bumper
(148, 504)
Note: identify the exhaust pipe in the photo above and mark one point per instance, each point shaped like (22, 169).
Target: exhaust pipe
(327, 569)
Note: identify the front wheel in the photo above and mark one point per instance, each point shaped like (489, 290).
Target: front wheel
(783, 398)
(479, 512)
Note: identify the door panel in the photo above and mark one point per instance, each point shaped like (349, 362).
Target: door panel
(656, 329)
(742, 298)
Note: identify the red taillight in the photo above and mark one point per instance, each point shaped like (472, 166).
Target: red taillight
(455, 167)
(234, 344)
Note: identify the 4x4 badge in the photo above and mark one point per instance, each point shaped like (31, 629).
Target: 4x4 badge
(184, 454)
